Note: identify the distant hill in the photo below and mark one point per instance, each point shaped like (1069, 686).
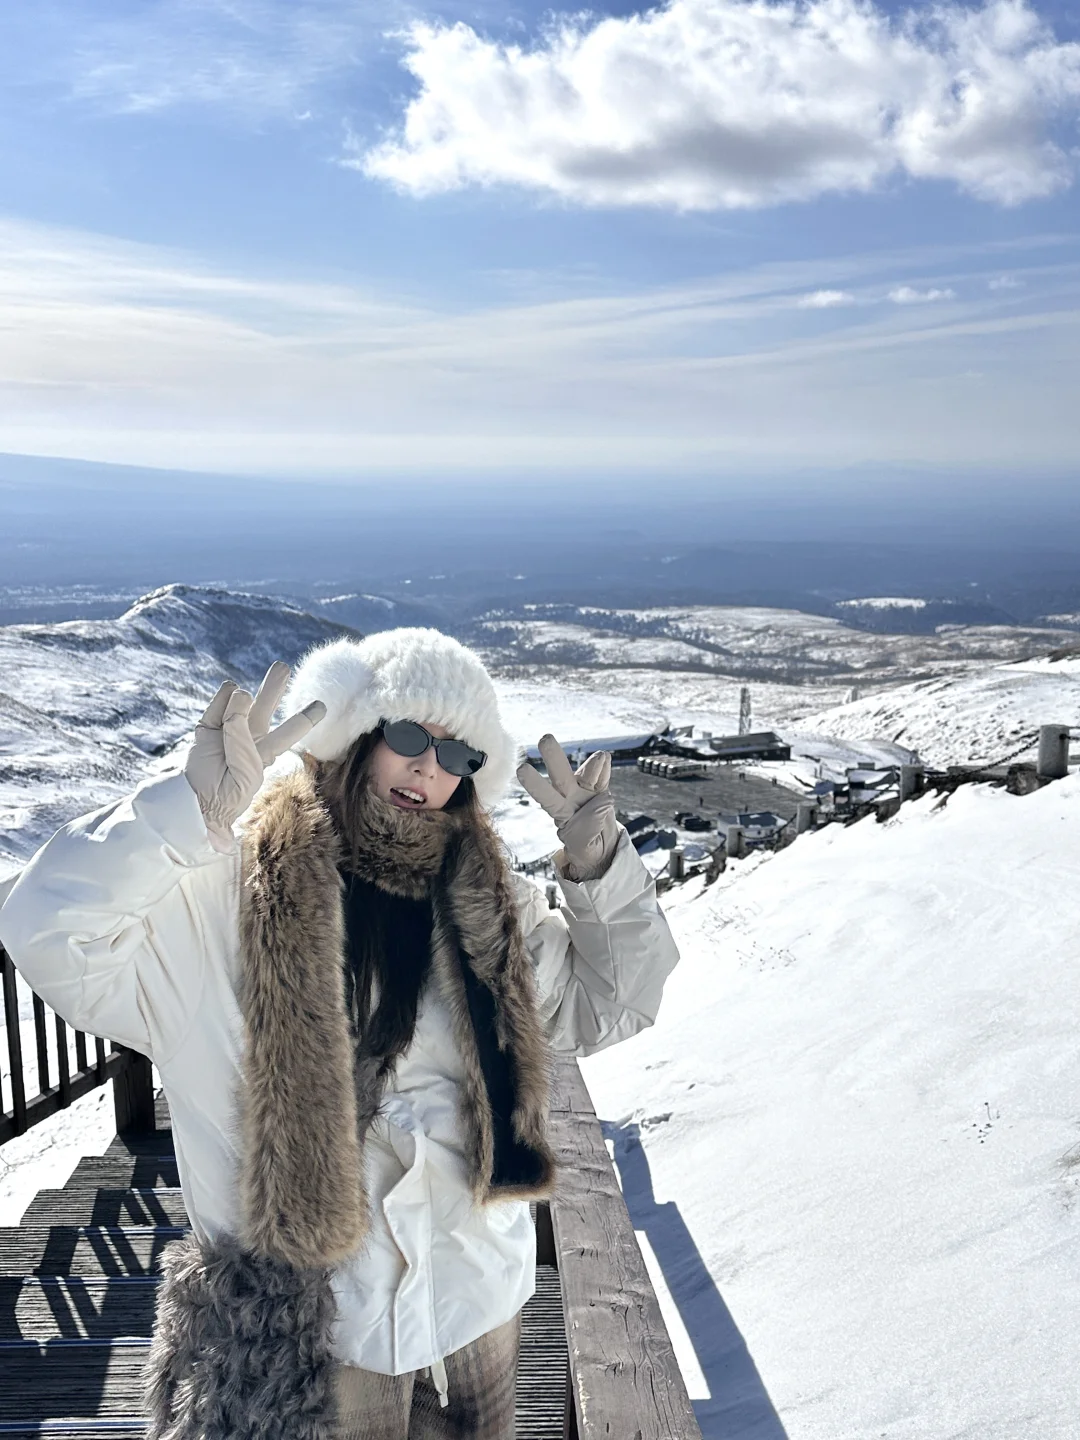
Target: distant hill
(903, 616)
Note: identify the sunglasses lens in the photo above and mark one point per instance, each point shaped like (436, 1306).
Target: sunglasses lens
(457, 758)
(405, 738)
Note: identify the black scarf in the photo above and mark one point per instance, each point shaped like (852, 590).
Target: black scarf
(398, 868)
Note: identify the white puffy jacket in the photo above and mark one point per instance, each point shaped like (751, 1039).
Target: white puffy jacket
(125, 922)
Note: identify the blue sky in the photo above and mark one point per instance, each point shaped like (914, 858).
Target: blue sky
(319, 238)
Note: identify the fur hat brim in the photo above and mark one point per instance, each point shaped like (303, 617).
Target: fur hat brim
(407, 674)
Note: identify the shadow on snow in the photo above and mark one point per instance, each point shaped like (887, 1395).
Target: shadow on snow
(739, 1407)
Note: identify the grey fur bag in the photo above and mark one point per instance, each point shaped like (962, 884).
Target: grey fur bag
(241, 1347)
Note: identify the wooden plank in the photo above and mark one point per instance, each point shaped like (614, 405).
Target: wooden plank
(569, 1093)
(134, 1104)
(625, 1379)
(88, 1250)
(63, 1087)
(73, 1307)
(41, 1042)
(106, 1207)
(542, 1380)
(69, 1380)
(124, 1172)
(72, 1379)
(153, 1142)
(74, 1430)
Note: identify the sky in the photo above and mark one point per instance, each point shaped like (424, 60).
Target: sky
(715, 238)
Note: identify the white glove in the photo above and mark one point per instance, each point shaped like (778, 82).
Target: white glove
(581, 805)
(234, 743)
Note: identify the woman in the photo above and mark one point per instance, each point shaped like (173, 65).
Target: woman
(350, 1006)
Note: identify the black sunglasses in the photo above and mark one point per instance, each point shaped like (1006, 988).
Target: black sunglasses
(406, 737)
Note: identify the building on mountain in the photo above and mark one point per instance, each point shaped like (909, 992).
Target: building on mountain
(865, 786)
(621, 747)
(764, 745)
(757, 826)
(640, 828)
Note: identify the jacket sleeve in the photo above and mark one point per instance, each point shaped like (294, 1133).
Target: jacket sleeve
(105, 922)
(601, 960)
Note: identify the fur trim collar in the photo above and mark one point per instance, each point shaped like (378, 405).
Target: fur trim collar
(302, 1196)
(306, 1104)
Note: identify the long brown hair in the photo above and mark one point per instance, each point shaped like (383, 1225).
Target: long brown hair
(389, 936)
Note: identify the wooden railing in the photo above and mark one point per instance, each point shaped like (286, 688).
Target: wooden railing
(131, 1073)
(624, 1380)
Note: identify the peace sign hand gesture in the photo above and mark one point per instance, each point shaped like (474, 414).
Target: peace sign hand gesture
(581, 805)
(234, 743)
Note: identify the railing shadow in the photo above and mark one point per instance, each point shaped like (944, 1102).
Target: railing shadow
(739, 1407)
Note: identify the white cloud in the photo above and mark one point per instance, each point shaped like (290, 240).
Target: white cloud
(907, 295)
(726, 104)
(825, 299)
(1005, 282)
(134, 354)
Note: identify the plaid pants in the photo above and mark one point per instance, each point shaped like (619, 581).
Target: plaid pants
(481, 1380)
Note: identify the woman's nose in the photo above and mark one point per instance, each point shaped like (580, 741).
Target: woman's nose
(426, 764)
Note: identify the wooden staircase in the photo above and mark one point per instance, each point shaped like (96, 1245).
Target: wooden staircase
(78, 1278)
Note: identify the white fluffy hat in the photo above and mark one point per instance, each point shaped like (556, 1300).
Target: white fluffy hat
(409, 674)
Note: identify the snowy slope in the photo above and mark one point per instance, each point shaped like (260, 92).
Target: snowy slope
(859, 1114)
(86, 706)
(977, 717)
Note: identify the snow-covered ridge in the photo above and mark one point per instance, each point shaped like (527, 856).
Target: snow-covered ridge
(87, 706)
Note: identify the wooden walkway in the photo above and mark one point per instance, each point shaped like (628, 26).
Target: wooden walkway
(78, 1277)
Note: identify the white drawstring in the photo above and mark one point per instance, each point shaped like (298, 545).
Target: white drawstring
(438, 1379)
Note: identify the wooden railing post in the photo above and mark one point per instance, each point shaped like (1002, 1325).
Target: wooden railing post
(625, 1380)
(133, 1093)
(14, 1043)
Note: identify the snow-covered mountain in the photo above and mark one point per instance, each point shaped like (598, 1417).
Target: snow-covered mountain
(87, 706)
(852, 1140)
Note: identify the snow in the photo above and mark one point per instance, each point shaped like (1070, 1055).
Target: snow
(531, 707)
(749, 644)
(979, 717)
(859, 1113)
(88, 707)
(45, 1156)
(882, 602)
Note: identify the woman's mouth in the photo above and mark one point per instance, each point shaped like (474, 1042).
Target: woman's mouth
(407, 798)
